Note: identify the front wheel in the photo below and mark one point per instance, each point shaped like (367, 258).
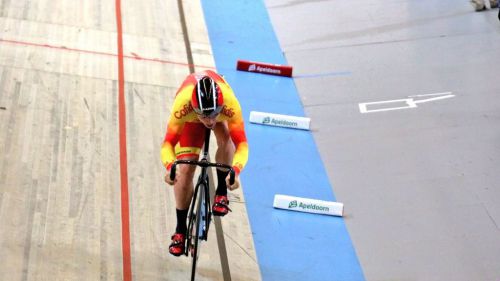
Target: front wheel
(196, 232)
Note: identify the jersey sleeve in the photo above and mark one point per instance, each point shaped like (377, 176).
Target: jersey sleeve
(237, 132)
(238, 136)
(171, 138)
(180, 113)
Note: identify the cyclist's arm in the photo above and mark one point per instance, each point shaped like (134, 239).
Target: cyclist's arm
(238, 136)
(236, 128)
(178, 116)
(171, 138)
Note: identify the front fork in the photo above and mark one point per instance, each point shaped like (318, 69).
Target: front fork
(206, 216)
(208, 211)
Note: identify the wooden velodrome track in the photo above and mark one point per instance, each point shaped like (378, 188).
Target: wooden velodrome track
(61, 194)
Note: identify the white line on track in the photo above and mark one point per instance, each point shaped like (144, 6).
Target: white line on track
(403, 103)
(435, 94)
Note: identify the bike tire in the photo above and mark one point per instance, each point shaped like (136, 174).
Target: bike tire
(196, 232)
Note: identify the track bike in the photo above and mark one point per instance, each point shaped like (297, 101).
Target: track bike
(200, 211)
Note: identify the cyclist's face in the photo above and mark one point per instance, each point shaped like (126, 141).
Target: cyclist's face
(208, 121)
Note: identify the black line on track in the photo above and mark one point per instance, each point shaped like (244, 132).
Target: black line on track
(226, 274)
(187, 43)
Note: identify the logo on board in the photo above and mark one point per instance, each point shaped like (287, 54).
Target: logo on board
(279, 122)
(264, 69)
(295, 204)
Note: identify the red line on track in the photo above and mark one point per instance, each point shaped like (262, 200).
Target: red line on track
(133, 56)
(127, 264)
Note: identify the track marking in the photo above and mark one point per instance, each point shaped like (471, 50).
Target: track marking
(427, 95)
(434, 99)
(127, 266)
(133, 55)
(406, 103)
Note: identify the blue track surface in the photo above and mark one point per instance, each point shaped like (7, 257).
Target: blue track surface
(290, 245)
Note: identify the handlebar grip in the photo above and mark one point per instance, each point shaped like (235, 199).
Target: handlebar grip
(172, 171)
(231, 176)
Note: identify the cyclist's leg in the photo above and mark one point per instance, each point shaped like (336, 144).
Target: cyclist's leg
(224, 154)
(225, 146)
(183, 192)
(188, 147)
(183, 187)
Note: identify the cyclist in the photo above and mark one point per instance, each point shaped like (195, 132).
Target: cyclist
(204, 100)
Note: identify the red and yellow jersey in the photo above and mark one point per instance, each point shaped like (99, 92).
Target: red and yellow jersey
(182, 113)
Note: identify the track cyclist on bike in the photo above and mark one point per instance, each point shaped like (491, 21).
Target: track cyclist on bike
(204, 100)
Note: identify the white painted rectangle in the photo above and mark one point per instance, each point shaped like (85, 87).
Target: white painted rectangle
(410, 102)
(279, 120)
(308, 205)
(407, 103)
